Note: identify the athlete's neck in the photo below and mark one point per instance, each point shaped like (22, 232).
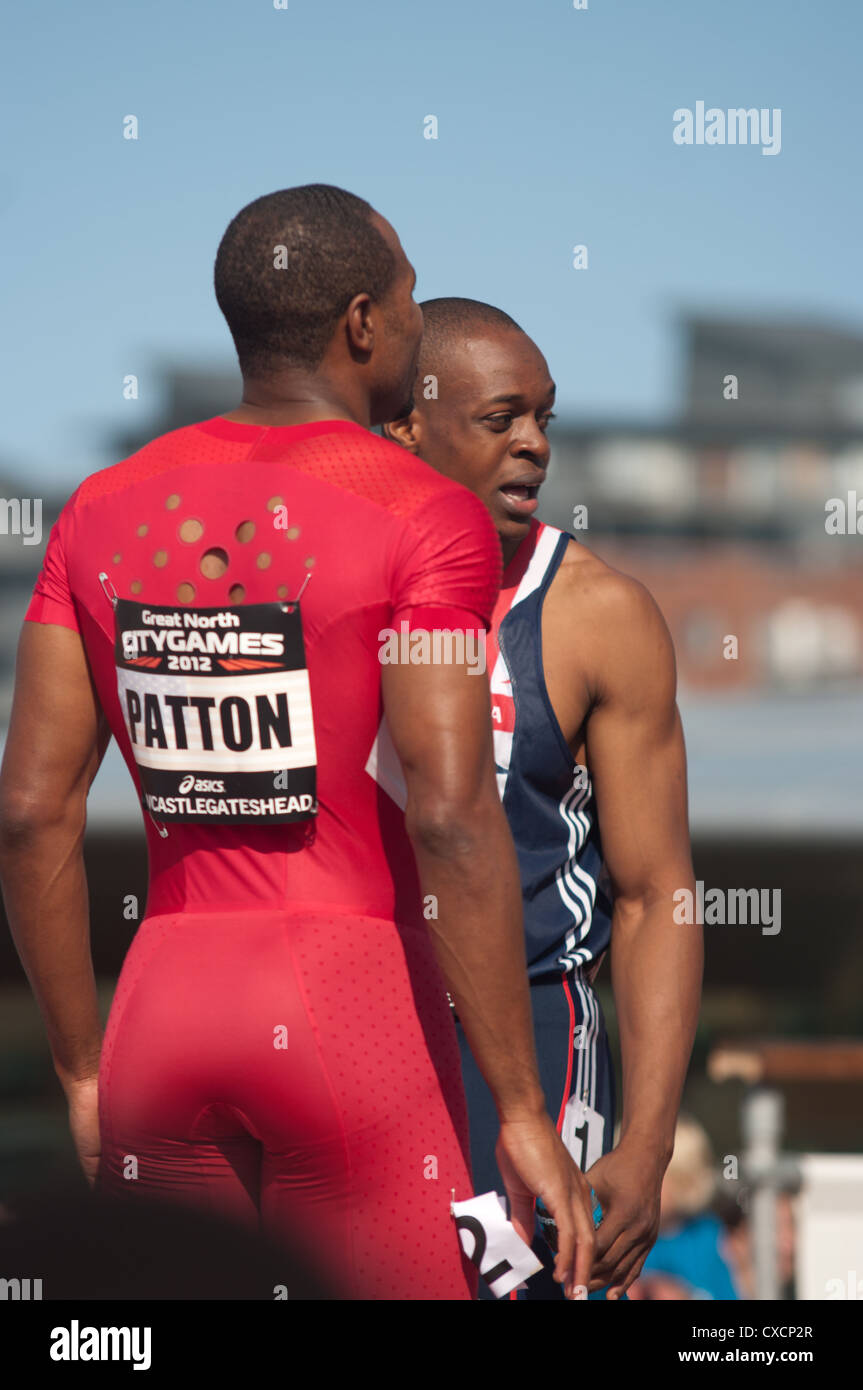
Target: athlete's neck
(298, 398)
(510, 546)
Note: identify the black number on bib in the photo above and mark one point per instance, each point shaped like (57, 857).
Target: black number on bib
(477, 1230)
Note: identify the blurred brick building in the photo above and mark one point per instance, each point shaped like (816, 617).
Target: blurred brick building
(721, 511)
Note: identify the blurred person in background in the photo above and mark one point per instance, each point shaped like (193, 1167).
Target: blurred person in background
(737, 1247)
(688, 1259)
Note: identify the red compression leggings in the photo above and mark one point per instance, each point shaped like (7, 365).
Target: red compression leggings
(351, 1137)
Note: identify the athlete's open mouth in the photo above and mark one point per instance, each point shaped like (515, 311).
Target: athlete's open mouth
(521, 498)
(518, 491)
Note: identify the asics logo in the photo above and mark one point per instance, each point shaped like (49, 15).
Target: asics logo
(200, 784)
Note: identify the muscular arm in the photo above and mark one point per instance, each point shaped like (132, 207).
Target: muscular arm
(638, 765)
(636, 758)
(440, 723)
(57, 737)
(439, 720)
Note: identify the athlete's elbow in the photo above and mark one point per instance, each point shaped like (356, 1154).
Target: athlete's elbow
(25, 817)
(450, 828)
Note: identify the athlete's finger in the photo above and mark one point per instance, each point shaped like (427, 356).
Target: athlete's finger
(610, 1229)
(607, 1270)
(611, 1244)
(623, 1283)
(576, 1242)
(563, 1260)
(585, 1249)
(565, 1213)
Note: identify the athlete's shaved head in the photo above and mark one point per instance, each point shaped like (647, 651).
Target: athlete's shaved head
(482, 404)
(287, 268)
(447, 323)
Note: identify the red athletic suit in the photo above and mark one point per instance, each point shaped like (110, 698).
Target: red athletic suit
(280, 1046)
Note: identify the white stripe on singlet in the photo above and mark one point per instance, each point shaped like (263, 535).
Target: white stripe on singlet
(577, 888)
(500, 681)
(585, 1074)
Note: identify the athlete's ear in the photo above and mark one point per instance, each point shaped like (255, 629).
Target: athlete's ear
(359, 325)
(407, 431)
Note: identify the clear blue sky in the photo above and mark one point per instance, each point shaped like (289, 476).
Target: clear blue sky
(555, 128)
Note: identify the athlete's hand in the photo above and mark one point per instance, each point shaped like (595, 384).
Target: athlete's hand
(533, 1163)
(628, 1182)
(83, 1099)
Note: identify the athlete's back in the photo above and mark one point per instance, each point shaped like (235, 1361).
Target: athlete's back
(367, 534)
(283, 978)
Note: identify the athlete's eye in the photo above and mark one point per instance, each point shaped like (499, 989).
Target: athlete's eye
(546, 418)
(502, 420)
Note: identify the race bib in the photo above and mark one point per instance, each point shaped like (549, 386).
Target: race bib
(218, 710)
(491, 1242)
(582, 1132)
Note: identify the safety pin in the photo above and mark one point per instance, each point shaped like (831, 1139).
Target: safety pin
(113, 597)
(292, 603)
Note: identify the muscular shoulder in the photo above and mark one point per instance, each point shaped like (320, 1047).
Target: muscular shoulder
(592, 589)
(186, 445)
(362, 464)
(445, 549)
(609, 623)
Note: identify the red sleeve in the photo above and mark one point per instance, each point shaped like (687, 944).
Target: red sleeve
(450, 559)
(52, 597)
(434, 616)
